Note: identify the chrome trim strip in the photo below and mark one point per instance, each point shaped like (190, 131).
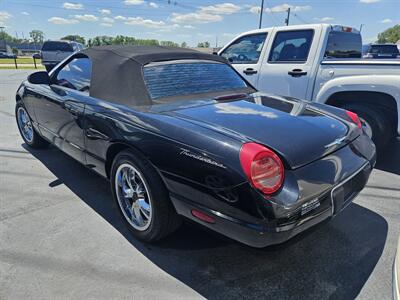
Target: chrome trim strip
(344, 181)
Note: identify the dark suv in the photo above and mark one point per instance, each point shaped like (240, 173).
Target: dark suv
(381, 51)
(54, 52)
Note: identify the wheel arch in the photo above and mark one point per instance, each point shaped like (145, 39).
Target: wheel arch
(383, 101)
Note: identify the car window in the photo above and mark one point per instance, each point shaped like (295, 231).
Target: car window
(291, 46)
(245, 50)
(56, 46)
(343, 45)
(384, 49)
(183, 79)
(75, 75)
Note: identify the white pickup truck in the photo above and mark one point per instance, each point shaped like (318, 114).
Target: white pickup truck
(322, 63)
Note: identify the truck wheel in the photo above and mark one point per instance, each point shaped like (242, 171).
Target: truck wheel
(374, 122)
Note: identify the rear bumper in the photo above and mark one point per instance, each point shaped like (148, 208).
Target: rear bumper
(264, 234)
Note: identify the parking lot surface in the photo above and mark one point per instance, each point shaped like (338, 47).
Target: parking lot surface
(61, 237)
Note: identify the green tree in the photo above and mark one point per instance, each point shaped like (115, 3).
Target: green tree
(8, 38)
(14, 51)
(203, 45)
(168, 44)
(184, 45)
(74, 37)
(390, 35)
(37, 36)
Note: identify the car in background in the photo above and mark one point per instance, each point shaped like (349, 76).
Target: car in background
(396, 274)
(7, 55)
(54, 52)
(381, 51)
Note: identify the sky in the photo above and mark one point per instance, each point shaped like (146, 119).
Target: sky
(189, 21)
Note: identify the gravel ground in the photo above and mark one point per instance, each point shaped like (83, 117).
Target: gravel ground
(62, 238)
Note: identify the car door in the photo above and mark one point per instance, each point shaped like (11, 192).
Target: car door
(244, 54)
(287, 67)
(60, 111)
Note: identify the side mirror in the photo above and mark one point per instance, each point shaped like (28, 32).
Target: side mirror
(41, 77)
(215, 53)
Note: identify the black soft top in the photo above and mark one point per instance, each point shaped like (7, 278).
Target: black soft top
(117, 74)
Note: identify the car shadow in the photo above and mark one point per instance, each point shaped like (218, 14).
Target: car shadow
(333, 260)
(390, 160)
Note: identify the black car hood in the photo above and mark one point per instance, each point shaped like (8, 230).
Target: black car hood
(298, 131)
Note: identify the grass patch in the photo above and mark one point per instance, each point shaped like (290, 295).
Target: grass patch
(22, 67)
(20, 60)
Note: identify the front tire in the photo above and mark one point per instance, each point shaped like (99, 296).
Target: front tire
(28, 133)
(141, 197)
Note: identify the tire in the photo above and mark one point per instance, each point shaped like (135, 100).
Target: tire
(153, 205)
(375, 119)
(28, 133)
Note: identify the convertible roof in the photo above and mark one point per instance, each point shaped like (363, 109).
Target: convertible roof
(117, 70)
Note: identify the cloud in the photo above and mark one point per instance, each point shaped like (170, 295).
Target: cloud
(106, 24)
(220, 9)
(120, 18)
(4, 16)
(107, 20)
(153, 5)
(69, 5)
(85, 17)
(62, 21)
(284, 8)
(189, 27)
(325, 19)
(369, 1)
(133, 2)
(104, 11)
(385, 21)
(195, 17)
(255, 9)
(139, 21)
(25, 13)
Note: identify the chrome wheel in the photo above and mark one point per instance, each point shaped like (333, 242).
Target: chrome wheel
(133, 197)
(366, 127)
(25, 124)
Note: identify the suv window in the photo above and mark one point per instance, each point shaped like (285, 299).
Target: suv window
(291, 46)
(245, 50)
(57, 46)
(343, 45)
(75, 75)
(188, 78)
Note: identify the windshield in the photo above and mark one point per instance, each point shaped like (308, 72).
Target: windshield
(188, 79)
(57, 46)
(384, 49)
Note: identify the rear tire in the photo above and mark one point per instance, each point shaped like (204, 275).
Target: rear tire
(141, 197)
(375, 119)
(28, 133)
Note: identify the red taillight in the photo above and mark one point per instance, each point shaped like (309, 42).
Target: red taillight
(263, 167)
(354, 117)
(203, 216)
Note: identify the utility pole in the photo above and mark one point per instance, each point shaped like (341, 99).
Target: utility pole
(288, 16)
(361, 26)
(261, 14)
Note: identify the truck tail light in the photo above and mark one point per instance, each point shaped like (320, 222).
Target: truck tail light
(263, 167)
(354, 118)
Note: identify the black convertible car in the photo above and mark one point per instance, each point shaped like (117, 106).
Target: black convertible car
(181, 133)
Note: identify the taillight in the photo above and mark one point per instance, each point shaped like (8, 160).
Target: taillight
(354, 117)
(263, 167)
